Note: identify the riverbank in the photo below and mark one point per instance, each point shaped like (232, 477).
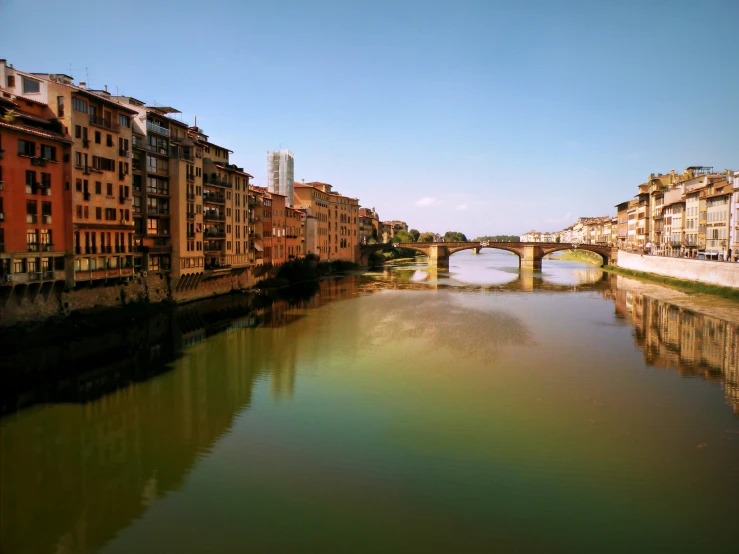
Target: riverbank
(26, 310)
(578, 256)
(685, 286)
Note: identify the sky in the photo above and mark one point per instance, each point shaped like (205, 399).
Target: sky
(485, 117)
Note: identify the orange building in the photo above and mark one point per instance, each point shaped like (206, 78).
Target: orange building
(278, 228)
(294, 238)
(34, 222)
(337, 230)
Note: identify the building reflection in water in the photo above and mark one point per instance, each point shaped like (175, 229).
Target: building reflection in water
(130, 445)
(694, 344)
(72, 478)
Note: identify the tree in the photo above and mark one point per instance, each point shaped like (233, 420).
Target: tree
(403, 236)
(415, 234)
(454, 236)
(426, 237)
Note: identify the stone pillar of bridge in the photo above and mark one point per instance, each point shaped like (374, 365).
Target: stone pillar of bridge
(614, 257)
(476, 251)
(531, 259)
(438, 256)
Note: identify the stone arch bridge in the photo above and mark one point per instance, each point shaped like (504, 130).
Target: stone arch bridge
(529, 254)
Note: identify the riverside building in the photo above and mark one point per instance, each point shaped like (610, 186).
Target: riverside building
(35, 232)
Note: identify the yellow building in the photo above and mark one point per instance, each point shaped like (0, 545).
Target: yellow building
(225, 211)
(100, 182)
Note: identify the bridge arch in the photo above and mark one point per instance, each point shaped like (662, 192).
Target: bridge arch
(478, 247)
(603, 251)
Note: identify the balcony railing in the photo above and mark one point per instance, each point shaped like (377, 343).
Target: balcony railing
(209, 234)
(213, 197)
(190, 215)
(211, 216)
(104, 123)
(151, 126)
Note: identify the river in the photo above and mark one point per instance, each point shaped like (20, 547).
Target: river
(478, 410)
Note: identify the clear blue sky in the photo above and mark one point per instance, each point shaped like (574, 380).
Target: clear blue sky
(497, 117)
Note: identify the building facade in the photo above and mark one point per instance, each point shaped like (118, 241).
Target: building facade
(35, 224)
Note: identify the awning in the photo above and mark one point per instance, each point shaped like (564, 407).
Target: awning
(258, 247)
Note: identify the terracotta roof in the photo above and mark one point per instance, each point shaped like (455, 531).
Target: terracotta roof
(224, 168)
(35, 131)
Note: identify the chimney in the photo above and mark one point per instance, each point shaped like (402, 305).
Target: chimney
(83, 84)
(105, 87)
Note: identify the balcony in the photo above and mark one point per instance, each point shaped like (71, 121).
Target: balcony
(214, 234)
(213, 216)
(138, 142)
(32, 246)
(38, 161)
(191, 196)
(164, 171)
(190, 215)
(31, 218)
(153, 127)
(104, 123)
(34, 275)
(124, 153)
(153, 210)
(213, 198)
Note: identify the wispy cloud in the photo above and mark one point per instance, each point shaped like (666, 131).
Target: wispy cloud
(563, 219)
(462, 207)
(428, 201)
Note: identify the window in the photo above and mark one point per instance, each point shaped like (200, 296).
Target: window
(60, 106)
(48, 152)
(26, 148)
(109, 140)
(32, 240)
(11, 81)
(79, 105)
(98, 213)
(104, 164)
(98, 187)
(124, 120)
(30, 86)
(98, 137)
(109, 191)
(77, 132)
(46, 180)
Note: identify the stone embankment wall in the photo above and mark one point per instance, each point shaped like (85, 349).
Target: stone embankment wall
(715, 273)
(31, 308)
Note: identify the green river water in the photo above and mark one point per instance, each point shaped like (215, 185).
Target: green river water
(475, 411)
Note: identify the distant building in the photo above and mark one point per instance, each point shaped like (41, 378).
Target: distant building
(388, 229)
(281, 174)
(369, 225)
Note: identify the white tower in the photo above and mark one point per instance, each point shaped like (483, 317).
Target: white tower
(281, 173)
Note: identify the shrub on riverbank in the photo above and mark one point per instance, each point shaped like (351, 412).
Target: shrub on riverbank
(690, 287)
(305, 269)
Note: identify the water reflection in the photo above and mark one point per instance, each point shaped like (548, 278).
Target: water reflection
(694, 344)
(74, 475)
(107, 462)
